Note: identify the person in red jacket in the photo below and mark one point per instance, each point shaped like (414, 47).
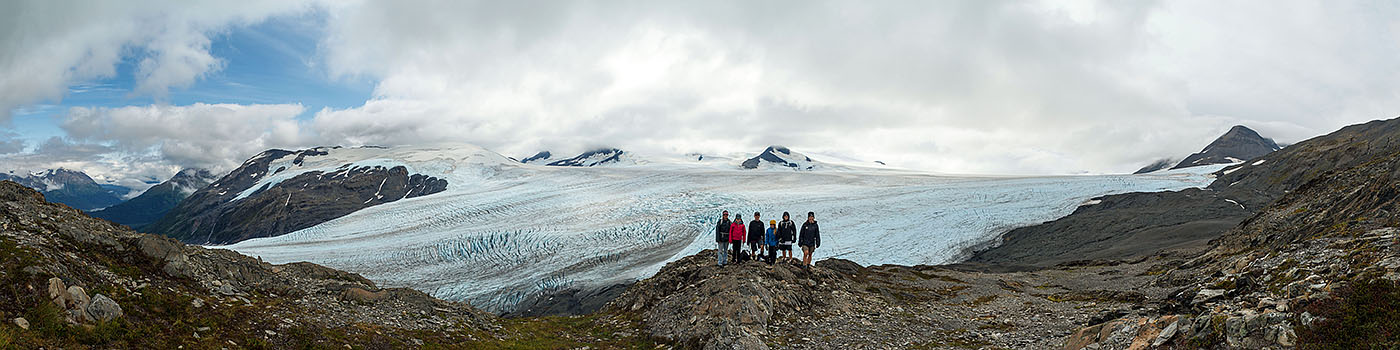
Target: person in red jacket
(736, 237)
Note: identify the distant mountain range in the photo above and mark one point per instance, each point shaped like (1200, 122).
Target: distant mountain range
(1237, 145)
(158, 200)
(70, 187)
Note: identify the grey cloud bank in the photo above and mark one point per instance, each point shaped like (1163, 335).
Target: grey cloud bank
(949, 86)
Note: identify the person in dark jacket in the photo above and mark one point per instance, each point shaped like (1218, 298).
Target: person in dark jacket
(810, 239)
(722, 237)
(787, 235)
(755, 238)
(736, 237)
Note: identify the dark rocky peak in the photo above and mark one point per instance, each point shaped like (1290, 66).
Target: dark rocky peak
(592, 158)
(780, 156)
(538, 157)
(1237, 145)
(241, 205)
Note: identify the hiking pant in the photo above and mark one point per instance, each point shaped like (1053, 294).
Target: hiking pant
(772, 255)
(738, 249)
(722, 252)
(753, 248)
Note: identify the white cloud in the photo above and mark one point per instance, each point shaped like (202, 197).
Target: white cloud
(50, 45)
(216, 136)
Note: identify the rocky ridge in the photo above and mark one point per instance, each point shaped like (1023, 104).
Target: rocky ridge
(1316, 268)
(216, 214)
(1127, 226)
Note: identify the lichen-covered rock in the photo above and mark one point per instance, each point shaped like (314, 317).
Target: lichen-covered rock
(103, 308)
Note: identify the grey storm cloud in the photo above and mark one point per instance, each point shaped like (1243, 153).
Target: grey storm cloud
(1021, 87)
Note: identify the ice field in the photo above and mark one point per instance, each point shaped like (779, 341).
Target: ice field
(503, 231)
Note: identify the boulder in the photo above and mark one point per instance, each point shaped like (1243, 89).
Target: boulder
(59, 292)
(1207, 295)
(103, 308)
(77, 307)
(363, 296)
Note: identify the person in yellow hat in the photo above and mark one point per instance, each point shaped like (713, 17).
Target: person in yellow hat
(770, 241)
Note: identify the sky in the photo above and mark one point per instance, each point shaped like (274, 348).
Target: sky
(131, 92)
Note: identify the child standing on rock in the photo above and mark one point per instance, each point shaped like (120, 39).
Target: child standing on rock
(770, 241)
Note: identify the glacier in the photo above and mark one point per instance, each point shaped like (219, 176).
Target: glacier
(504, 231)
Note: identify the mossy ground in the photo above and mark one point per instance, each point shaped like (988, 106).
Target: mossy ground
(162, 316)
(1363, 315)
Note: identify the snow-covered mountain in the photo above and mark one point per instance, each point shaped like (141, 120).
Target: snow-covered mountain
(156, 201)
(780, 157)
(602, 156)
(502, 231)
(281, 191)
(70, 187)
(1237, 145)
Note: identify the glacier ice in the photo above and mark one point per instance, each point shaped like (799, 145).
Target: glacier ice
(504, 231)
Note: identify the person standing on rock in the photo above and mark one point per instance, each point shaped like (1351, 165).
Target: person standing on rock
(755, 238)
(787, 235)
(810, 239)
(722, 237)
(736, 237)
(770, 241)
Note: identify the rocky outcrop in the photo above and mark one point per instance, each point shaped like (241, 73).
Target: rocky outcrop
(95, 272)
(838, 304)
(158, 200)
(1237, 145)
(217, 214)
(1129, 226)
(1280, 279)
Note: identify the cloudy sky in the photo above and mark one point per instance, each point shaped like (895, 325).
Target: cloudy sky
(133, 91)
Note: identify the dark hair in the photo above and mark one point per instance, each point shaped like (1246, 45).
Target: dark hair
(726, 212)
(755, 213)
(811, 214)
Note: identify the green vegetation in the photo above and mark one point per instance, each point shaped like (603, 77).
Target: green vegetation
(1365, 314)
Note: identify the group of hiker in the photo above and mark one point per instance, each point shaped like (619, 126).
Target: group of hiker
(765, 244)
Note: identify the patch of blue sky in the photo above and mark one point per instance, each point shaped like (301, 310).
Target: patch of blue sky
(271, 62)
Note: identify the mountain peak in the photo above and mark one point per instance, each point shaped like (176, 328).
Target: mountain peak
(541, 157)
(782, 157)
(1237, 145)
